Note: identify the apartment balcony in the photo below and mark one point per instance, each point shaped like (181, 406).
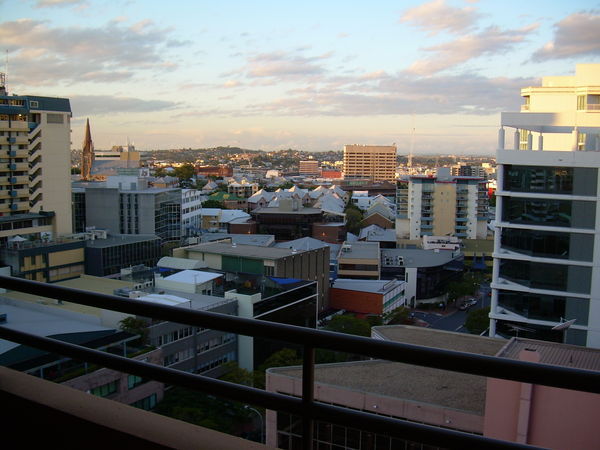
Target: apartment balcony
(461, 219)
(54, 411)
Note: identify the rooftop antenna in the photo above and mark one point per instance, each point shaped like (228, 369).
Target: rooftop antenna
(412, 144)
(3, 76)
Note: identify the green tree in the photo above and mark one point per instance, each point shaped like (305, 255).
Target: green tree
(160, 172)
(185, 171)
(353, 220)
(478, 320)
(398, 316)
(235, 374)
(349, 324)
(137, 326)
(213, 204)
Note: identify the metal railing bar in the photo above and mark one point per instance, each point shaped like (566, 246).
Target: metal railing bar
(369, 422)
(491, 366)
(308, 395)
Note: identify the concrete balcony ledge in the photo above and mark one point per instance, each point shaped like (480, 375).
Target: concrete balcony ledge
(63, 417)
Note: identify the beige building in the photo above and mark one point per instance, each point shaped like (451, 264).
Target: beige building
(35, 144)
(374, 162)
(310, 167)
(359, 260)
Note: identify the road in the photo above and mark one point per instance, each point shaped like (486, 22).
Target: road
(454, 320)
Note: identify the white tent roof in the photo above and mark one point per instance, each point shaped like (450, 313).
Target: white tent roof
(193, 276)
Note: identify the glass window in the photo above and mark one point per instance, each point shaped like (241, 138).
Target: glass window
(558, 277)
(545, 307)
(549, 244)
(552, 180)
(105, 390)
(549, 212)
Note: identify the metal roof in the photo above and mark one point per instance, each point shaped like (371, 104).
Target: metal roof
(170, 262)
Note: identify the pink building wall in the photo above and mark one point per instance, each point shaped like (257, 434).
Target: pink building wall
(541, 415)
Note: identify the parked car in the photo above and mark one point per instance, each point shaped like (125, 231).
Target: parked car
(467, 304)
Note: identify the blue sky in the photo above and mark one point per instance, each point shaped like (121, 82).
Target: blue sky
(307, 75)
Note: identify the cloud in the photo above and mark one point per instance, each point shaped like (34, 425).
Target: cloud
(95, 105)
(41, 54)
(576, 35)
(53, 3)
(436, 16)
(403, 93)
(489, 41)
(283, 65)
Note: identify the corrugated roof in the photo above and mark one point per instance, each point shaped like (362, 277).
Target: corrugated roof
(180, 263)
(554, 353)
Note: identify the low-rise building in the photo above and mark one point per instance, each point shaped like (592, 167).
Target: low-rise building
(359, 260)
(367, 297)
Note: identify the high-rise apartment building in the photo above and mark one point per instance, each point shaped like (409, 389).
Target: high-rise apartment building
(372, 162)
(547, 241)
(309, 167)
(442, 206)
(35, 162)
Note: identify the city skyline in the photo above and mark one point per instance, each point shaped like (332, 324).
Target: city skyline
(306, 76)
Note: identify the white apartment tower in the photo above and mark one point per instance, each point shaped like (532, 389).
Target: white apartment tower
(547, 241)
(371, 162)
(443, 205)
(35, 162)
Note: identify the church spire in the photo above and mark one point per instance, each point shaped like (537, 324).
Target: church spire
(87, 155)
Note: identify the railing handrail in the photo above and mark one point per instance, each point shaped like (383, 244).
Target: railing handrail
(535, 373)
(456, 361)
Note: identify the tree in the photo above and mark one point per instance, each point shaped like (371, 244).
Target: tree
(237, 375)
(213, 204)
(160, 172)
(137, 326)
(399, 316)
(478, 320)
(185, 171)
(349, 324)
(353, 220)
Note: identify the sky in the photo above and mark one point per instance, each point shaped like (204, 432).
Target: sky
(313, 75)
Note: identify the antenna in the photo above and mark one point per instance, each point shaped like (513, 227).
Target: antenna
(6, 73)
(412, 144)
(564, 324)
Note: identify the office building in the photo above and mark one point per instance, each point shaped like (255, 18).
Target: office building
(35, 144)
(310, 167)
(547, 240)
(370, 162)
(442, 206)
(359, 260)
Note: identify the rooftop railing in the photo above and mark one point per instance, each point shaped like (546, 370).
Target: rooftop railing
(310, 339)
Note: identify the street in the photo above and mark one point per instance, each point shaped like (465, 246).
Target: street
(453, 319)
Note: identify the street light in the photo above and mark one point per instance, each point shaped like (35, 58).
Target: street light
(262, 424)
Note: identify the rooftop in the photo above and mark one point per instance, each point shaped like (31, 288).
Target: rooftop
(120, 239)
(247, 251)
(374, 286)
(416, 257)
(419, 384)
(554, 353)
(359, 250)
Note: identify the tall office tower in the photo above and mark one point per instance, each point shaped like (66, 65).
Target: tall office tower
(444, 205)
(35, 162)
(372, 162)
(547, 241)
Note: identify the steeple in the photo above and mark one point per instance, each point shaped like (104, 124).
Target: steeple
(87, 156)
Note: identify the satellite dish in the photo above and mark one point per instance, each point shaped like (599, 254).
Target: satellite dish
(564, 325)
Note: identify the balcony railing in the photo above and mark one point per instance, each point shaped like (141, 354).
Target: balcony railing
(309, 339)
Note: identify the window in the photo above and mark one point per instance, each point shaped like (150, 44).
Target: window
(134, 381)
(147, 403)
(55, 118)
(105, 390)
(33, 104)
(581, 102)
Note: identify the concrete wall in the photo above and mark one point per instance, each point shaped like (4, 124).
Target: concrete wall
(355, 301)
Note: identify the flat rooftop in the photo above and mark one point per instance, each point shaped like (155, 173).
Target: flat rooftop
(416, 257)
(247, 251)
(360, 250)
(454, 390)
(120, 239)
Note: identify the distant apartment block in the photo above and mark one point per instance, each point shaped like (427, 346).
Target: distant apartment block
(47, 261)
(372, 162)
(35, 143)
(126, 205)
(309, 167)
(214, 171)
(442, 206)
(547, 240)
